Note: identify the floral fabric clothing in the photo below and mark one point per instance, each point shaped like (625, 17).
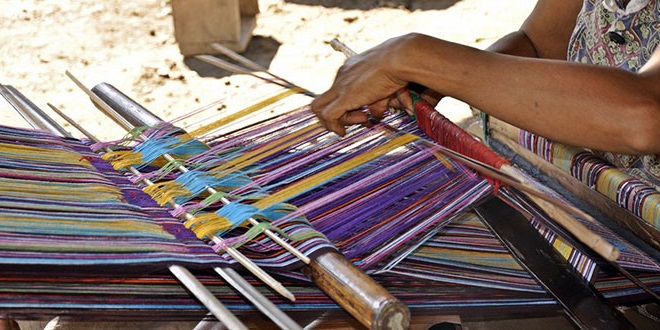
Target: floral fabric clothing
(610, 33)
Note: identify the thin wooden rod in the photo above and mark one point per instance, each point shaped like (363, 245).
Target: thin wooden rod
(233, 252)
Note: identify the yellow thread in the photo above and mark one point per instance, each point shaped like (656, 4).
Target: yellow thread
(122, 158)
(164, 192)
(651, 209)
(444, 160)
(563, 248)
(30, 153)
(123, 225)
(207, 224)
(63, 173)
(199, 218)
(223, 121)
(608, 182)
(59, 191)
(261, 153)
(327, 174)
(493, 259)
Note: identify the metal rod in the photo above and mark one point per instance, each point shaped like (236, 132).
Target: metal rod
(207, 298)
(255, 66)
(222, 64)
(262, 303)
(136, 114)
(31, 112)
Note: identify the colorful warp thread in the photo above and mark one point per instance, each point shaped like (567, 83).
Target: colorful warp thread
(443, 131)
(60, 204)
(441, 276)
(157, 296)
(467, 253)
(628, 192)
(372, 212)
(358, 191)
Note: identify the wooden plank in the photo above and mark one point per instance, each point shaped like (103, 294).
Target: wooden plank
(199, 23)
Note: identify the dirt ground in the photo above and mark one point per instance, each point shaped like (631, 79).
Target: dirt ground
(131, 45)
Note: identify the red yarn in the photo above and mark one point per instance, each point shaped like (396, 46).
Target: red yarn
(447, 134)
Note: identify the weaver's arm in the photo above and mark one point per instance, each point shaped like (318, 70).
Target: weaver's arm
(592, 106)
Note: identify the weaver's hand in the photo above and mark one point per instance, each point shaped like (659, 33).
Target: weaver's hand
(367, 84)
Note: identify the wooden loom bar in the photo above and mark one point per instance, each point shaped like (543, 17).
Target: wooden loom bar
(356, 292)
(507, 135)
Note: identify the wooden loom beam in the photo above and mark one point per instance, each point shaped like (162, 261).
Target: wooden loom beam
(506, 135)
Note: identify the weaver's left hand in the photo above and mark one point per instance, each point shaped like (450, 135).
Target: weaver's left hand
(368, 79)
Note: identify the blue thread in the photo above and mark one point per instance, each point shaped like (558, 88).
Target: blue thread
(236, 214)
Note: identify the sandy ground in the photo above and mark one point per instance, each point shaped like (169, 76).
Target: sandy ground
(131, 45)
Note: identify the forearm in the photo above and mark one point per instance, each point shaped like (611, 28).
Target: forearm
(591, 106)
(516, 43)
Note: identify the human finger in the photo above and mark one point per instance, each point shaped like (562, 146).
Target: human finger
(320, 101)
(404, 99)
(319, 107)
(378, 109)
(354, 117)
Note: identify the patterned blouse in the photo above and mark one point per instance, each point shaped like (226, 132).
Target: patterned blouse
(609, 33)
